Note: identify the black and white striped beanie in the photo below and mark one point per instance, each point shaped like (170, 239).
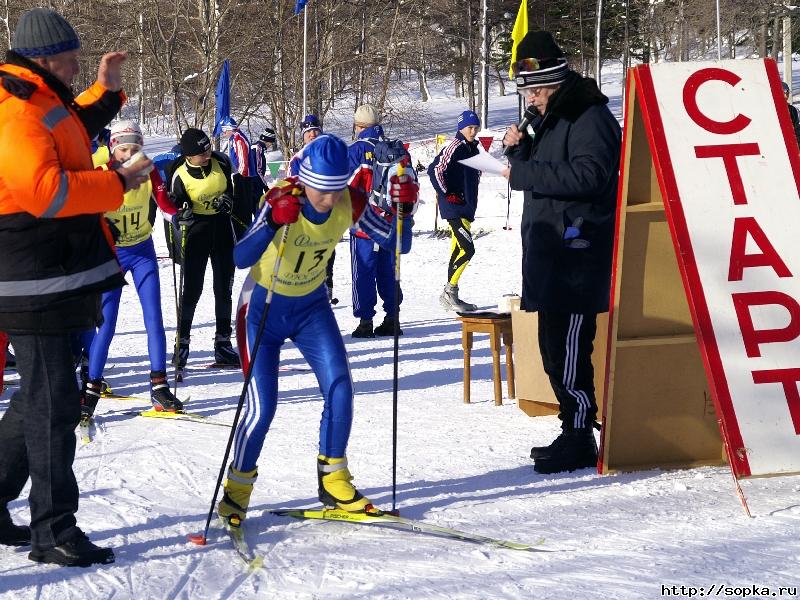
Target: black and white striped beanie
(549, 66)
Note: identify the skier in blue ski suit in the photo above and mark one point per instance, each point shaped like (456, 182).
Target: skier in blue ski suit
(313, 210)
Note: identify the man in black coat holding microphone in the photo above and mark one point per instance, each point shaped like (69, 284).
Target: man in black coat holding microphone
(568, 170)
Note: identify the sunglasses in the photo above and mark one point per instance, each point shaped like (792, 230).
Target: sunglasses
(530, 92)
(525, 65)
(307, 124)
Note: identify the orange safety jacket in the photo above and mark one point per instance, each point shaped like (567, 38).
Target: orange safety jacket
(56, 252)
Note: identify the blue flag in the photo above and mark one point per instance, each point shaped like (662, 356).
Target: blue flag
(299, 5)
(223, 97)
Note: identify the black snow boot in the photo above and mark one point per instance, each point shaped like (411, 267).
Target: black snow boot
(160, 394)
(14, 535)
(364, 329)
(77, 552)
(573, 449)
(387, 327)
(224, 354)
(181, 353)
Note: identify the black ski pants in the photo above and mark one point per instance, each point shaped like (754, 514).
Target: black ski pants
(37, 438)
(566, 341)
(210, 236)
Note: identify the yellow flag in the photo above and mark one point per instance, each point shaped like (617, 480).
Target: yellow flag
(519, 31)
(440, 141)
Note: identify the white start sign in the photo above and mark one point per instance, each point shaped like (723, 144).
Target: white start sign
(729, 167)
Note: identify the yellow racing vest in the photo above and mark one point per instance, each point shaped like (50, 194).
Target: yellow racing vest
(203, 191)
(308, 249)
(133, 217)
(101, 156)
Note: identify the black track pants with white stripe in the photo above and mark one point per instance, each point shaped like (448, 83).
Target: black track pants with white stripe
(566, 342)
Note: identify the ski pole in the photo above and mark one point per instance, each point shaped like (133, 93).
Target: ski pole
(179, 304)
(200, 538)
(174, 276)
(396, 359)
(508, 206)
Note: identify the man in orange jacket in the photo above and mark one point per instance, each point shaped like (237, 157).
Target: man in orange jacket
(57, 259)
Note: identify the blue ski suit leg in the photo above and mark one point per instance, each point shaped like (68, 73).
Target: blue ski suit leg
(309, 322)
(141, 261)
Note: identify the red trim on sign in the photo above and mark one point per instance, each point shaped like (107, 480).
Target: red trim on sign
(698, 305)
(783, 118)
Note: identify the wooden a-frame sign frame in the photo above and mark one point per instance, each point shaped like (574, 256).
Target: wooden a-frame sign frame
(681, 369)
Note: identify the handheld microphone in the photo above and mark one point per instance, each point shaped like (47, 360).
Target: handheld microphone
(530, 114)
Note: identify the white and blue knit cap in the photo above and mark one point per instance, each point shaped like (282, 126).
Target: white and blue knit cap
(467, 118)
(43, 32)
(324, 165)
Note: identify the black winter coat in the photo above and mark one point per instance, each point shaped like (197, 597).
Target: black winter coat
(569, 174)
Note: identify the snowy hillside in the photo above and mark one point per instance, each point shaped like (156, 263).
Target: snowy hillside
(148, 483)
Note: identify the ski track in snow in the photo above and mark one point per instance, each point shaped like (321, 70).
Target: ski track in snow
(147, 483)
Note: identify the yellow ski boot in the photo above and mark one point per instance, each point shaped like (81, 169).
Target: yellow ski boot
(236, 497)
(335, 488)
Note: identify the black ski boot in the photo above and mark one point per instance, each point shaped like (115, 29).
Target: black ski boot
(14, 535)
(90, 396)
(573, 449)
(225, 355)
(160, 396)
(387, 327)
(364, 329)
(77, 552)
(179, 357)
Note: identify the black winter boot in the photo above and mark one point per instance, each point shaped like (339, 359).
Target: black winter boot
(181, 353)
(387, 327)
(14, 535)
(364, 329)
(224, 354)
(77, 552)
(573, 449)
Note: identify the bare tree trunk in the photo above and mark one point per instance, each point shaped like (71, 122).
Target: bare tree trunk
(470, 68)
(362, 52)
(6, 21)
(500, 81)
(598, 58)
(140, 42)
(681, 33)
(776, 37)
(484, 88)
(391, 50)
(422, 71)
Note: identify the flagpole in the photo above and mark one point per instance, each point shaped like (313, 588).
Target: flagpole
(305, 57)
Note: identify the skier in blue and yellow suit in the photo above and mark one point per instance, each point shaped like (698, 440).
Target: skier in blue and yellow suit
(317, 207)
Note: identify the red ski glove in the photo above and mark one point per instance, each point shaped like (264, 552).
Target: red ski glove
(403, 190)
(285, 210)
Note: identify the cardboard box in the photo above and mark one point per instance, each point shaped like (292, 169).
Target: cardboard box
(534, 393)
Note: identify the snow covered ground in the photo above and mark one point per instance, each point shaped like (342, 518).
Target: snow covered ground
(146, 484)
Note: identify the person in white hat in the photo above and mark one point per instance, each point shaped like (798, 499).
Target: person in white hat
(132, 225)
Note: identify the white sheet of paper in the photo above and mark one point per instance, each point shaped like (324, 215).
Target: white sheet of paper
(484, 162)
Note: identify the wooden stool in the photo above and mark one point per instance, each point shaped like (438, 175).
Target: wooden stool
(496, 327)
